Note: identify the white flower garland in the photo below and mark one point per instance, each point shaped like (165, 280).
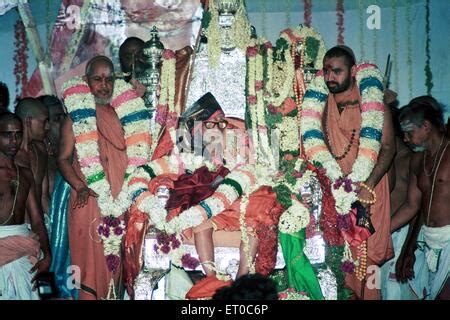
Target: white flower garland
(369, 80)
(133, 115)
(294, 219)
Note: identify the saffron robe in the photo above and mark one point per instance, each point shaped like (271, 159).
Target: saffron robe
(379, 245)
(86, 248)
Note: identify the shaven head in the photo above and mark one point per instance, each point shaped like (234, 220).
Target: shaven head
(130, 52)
(34, 116)
(30, 107)
(341, 51)
(98, 60)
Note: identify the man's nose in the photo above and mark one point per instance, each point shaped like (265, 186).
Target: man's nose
(329, 77)
(14, 139)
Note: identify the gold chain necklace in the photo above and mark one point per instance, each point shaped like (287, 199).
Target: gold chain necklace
(435, 159)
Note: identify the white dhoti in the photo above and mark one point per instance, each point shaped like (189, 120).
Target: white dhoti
(437, 252)
(18, 252)
(391, 288)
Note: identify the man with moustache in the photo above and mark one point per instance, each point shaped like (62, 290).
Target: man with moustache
(342, 120)
(427, 200)
(86, 248)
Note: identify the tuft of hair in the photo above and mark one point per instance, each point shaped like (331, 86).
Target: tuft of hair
(341, 51)
(29, 107)
(98, 59)
(423, 108)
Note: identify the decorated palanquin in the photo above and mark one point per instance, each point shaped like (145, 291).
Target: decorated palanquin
(274, 194)
(241, 62)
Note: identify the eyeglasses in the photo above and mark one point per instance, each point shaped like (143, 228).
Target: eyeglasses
(222, 124)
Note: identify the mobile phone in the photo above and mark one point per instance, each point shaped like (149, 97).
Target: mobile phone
(46, 286)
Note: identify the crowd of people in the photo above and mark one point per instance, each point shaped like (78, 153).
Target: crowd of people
(79, 175)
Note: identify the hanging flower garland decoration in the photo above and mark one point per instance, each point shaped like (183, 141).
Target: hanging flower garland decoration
(166, 115)
(340, 21)
(307, 16)
(20, 58)
(284, 106)
(132, 114)
(259, 55)
(428, 72)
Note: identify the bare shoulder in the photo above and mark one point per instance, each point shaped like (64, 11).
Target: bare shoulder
(26, 173)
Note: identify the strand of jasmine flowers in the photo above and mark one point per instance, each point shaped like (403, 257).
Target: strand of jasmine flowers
(395, 44)
(428, 72)
(409, 62)
(361, 29)
(290, 74)
(244, 234)
(375, 45)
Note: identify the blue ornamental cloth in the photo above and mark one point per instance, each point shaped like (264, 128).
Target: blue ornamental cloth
(59, 238)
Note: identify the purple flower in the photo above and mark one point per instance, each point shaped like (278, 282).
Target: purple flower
(161, 238)
(189, 262)
(100, 229)
(337, 184)
(118, 231)
(106, 232)
(115, 222)
(155, 247)
(348, 266)
(165, 249)
(348, 187)
(112, 261)
(176, 244)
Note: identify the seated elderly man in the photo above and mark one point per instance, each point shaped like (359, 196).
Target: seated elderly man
(222, 191)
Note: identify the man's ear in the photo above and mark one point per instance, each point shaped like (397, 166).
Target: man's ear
(427, 125)
(85, 79)
(353, 71)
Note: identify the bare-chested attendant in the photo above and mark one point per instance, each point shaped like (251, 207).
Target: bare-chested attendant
(19, 247)
(33, 151)
(428, 194)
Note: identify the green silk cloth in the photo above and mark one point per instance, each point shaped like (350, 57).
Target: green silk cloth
(301, 275)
